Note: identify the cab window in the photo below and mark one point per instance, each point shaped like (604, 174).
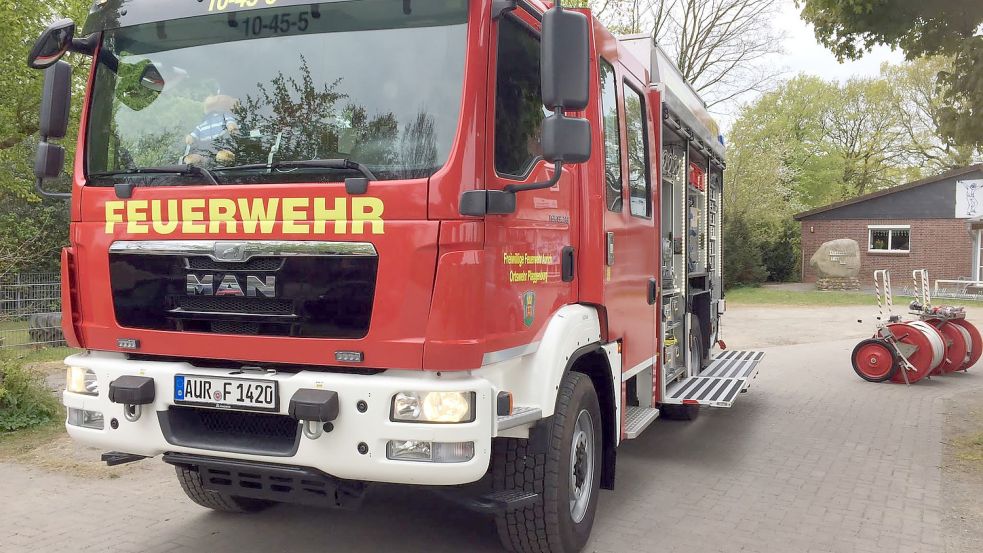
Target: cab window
(612, 138)
(519, 108)
(639, 189)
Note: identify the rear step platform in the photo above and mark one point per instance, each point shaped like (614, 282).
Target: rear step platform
(720, 383)
(734, 364)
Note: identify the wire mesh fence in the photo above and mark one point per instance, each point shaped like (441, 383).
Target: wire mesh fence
(30, 310)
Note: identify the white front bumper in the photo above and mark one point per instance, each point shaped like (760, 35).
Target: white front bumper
(335, 452)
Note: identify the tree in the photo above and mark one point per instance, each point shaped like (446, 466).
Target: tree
(861, 130)
(720, 46)
(920, 104)
(742, 254)
(24, 218)
(942, 27)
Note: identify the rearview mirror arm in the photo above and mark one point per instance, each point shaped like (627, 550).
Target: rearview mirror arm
(85, 46)
(557, 170)
(39, 188)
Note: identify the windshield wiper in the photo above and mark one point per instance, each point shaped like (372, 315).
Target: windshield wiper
(190, 170)
(343, 164)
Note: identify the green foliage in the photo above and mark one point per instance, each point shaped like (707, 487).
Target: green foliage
(780, 252)
(25, 400)
(919, 28)
(24, 218)
(743, 265)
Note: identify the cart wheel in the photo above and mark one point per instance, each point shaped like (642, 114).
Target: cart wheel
(977, 348)
(922, 357)
(956, 337)
(874, 360)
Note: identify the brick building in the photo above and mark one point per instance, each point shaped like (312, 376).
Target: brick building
(933, 224)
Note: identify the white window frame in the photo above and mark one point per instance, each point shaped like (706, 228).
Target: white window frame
(890, 238)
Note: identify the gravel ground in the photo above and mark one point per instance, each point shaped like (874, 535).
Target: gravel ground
(812, 459)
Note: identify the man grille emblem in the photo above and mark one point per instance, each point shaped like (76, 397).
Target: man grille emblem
(230, 285)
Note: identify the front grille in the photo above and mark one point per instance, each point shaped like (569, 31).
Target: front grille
(226, 304)
(312, 296)
(234, 431)
(234, 327)
(254, 264)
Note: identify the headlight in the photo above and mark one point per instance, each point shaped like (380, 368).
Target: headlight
(441, 407)
(81, 381)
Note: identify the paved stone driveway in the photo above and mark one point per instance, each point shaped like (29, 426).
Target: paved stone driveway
(812, 459)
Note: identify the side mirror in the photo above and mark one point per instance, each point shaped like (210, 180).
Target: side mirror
(53, 43)
(50, 161)
(566, 139)
(56, 101)
(565, 59)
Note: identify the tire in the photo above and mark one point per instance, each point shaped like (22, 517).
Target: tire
(550, 526)
(696, 344)
(874, 360)
(676, 412)
(191, 484)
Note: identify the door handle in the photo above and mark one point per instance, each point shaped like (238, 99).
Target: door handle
(653, 291)
(567, 264)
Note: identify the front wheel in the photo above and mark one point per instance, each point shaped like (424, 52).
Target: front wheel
(566, 476)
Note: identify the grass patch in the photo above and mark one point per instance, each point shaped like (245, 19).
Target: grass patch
(779, 296)
(970, 449)
(17, 445)
(42, 355)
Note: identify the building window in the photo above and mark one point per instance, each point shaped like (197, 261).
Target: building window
(896, 239)
(518, 102)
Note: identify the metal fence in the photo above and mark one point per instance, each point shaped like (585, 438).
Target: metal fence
(30, 310)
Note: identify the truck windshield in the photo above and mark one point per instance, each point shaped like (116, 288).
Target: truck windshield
(244, 95)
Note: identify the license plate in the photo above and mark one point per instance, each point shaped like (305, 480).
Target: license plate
(227, 393)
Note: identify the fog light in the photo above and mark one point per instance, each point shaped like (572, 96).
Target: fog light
(418, 450)
(409, 450)
(85, 419)
(79, 380)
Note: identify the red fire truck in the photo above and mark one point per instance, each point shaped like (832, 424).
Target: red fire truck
(431, 242)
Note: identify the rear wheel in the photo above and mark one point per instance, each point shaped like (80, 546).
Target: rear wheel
(194, 488)
(566, 476)
(699, 354)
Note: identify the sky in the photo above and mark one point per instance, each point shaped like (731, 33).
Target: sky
(804, 55)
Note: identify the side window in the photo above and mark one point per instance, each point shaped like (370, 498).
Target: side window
(518, 101)
(612, 138)
(639, 189)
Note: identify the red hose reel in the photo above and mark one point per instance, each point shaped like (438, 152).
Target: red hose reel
(940, 341)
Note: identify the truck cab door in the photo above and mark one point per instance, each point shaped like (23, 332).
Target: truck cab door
(524, 249)
(629, 226)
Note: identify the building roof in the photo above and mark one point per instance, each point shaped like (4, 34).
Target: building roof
(887, 191)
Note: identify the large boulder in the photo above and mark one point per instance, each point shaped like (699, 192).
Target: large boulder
(837, 259)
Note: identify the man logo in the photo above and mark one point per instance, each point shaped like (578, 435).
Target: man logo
(229, 251)
(230, 286)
